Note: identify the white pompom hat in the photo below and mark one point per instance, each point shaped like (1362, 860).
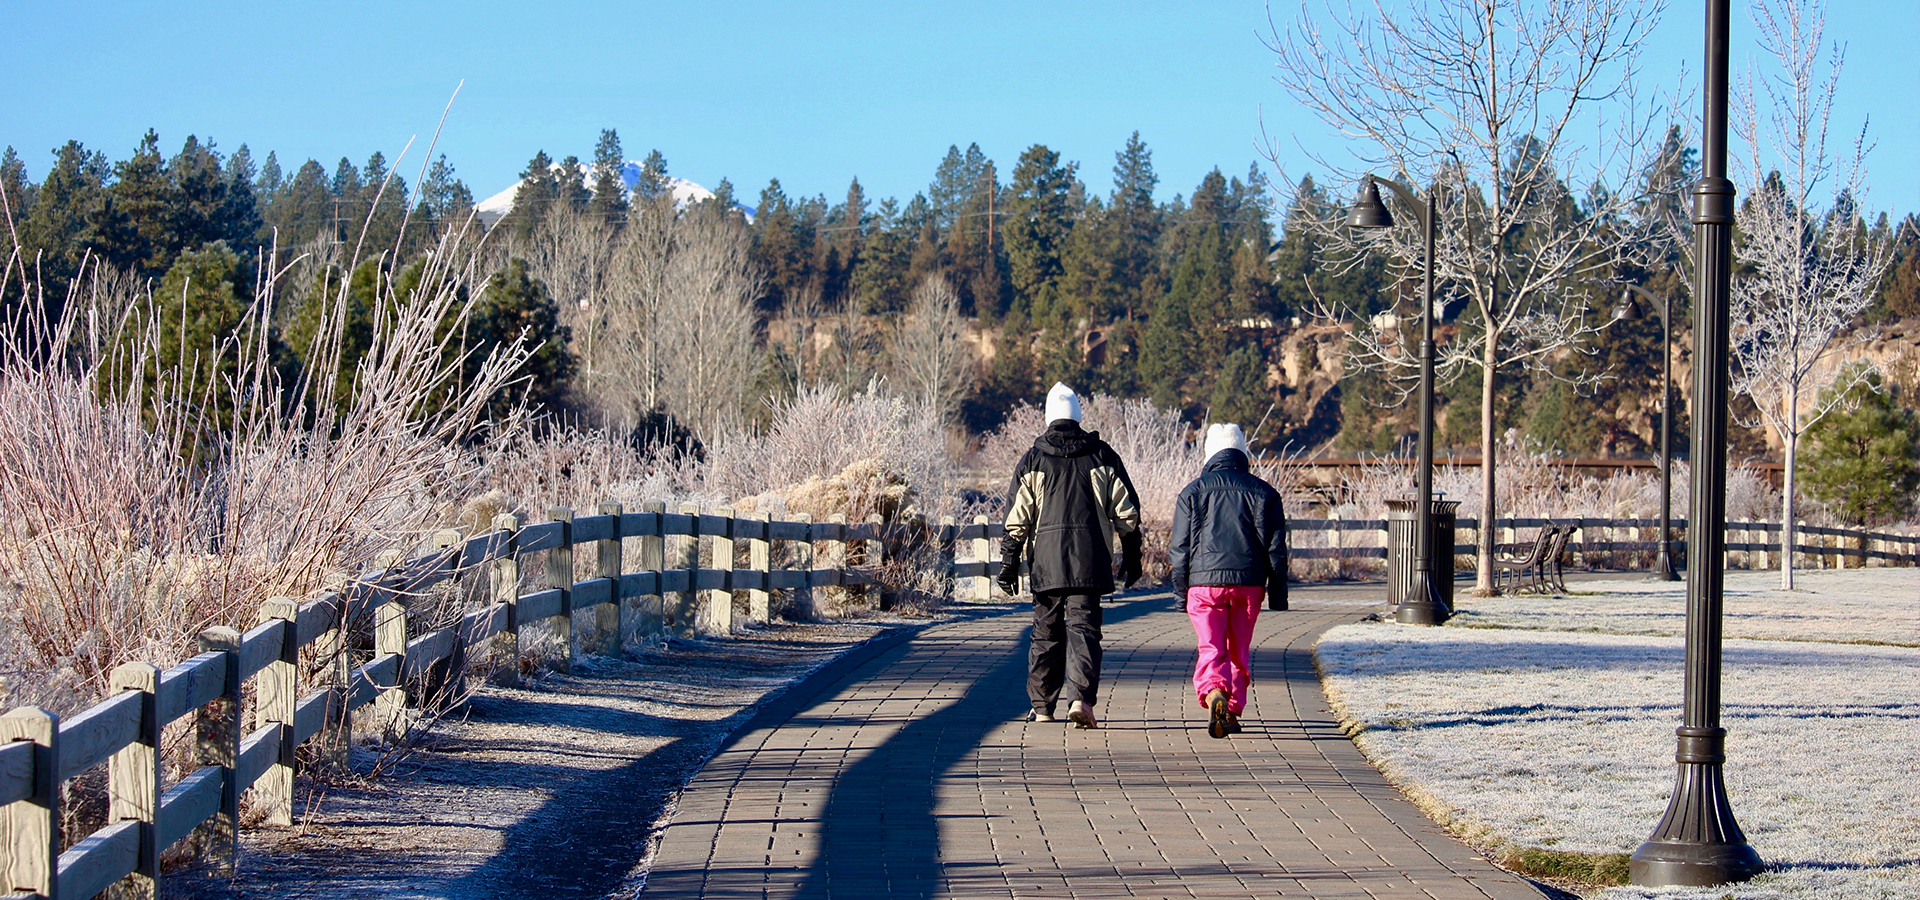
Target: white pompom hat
(1225, 436)
(1062, 403)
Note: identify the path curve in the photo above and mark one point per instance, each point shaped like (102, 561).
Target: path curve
(907, 773)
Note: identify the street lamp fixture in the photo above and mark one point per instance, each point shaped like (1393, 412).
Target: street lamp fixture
(1663, 569)
(1423, 603)
(1697, 842)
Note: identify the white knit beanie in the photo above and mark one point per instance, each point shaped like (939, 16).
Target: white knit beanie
(1062, 403)
(1226, 436)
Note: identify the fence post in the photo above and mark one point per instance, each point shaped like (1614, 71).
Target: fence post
(609, 620)
(217, 729)
(653, 558)
(32, 826)
(390, 637)
(560, 577)
(874, 555)
(760, 559)
(277, 696)
(133, 781)
(803, 560)
(837, 560)
(684, 555)
(944, 555)
(505, 590)
(983, 554)
(718, 603)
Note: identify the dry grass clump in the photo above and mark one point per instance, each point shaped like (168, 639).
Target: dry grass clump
(828, 451)
(146, 501)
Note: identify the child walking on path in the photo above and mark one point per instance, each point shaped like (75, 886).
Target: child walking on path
(1229, 548)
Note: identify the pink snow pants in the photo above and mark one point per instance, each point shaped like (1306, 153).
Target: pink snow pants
(1223, 617)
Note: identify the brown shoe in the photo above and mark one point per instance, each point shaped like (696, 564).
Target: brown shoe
(1218, 715)
(1233, 723)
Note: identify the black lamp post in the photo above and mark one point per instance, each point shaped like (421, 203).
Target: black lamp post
(1423, 603)
(1698, 842)
(1662, 567)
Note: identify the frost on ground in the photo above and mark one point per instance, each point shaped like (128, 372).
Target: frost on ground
(1840, 605)
(1557, 739)
(552, 790)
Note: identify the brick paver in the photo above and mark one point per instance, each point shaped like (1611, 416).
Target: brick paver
(909, 774)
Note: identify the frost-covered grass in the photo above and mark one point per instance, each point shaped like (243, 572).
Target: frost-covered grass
(1543, 737)
(1839, 605)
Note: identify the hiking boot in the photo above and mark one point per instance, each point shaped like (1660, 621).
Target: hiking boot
(1082, 715)
(1039, 715)
(1233, 723)
(1217, 714)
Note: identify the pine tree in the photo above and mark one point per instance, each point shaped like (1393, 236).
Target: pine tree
(517, 307)
(197, 307)
(1136, 224)
(1863, 459)
(143, 193)
(571, 185)
(1039, 217)
(56, 235)
(271, 179)
(1240, 392)
(654, 184)
(880, 275)
(304, 210)
(344, 313)
(609, 180)
(446, 198)
(536, 195)
(240, 221)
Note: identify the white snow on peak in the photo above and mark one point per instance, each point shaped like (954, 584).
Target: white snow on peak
(684, 193)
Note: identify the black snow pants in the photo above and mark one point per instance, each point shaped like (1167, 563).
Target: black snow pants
(1065, 650)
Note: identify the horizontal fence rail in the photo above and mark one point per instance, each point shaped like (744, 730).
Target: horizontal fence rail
(668, 591)
(1815, 546)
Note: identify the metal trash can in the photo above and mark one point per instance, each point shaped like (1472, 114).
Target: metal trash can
(1401, 516)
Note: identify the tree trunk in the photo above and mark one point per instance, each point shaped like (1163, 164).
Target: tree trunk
(1786, 514)
(1489, 443)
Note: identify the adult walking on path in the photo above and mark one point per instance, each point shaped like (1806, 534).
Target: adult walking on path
(1070, 496)
(1228, 550)
(896, 773)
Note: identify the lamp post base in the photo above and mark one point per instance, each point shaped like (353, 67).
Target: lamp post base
(1423, 604)
(1663, 567)
(1697, 843)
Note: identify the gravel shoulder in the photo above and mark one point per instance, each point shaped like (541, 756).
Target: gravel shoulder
(555, 789)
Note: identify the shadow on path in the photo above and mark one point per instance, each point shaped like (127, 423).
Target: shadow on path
(879, 834)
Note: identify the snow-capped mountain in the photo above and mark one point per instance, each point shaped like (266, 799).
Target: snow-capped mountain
(685, 192)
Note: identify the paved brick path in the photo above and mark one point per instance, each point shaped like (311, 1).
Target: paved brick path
(909, 774)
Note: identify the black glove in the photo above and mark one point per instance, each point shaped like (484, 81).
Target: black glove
(1009, 577)
(1277, 595)
(1129, 558)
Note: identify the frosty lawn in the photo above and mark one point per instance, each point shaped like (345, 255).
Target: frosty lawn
(1554, 728)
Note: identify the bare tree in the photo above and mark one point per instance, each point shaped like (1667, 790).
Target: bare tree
(570, 252)
(706, 347)
(929, 349)
(1481, 100)
(632, 309)
(1805, 276)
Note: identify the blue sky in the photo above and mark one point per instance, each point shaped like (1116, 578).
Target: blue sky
(814, 94)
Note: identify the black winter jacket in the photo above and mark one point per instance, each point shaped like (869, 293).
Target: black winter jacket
(1229, 528)
(1070, 496)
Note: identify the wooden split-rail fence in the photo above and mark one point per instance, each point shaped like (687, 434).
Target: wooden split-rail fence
(1623, 543)
(670, 591)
